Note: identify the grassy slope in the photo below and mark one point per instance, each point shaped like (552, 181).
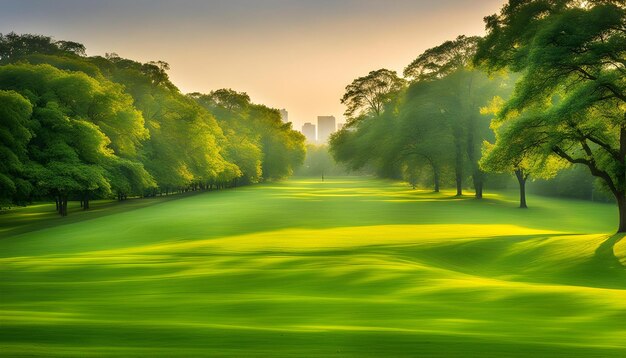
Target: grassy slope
(349, 267)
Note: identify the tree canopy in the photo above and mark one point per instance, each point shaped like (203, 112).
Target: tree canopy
(78, 127)
(368, 95)
(570, 100)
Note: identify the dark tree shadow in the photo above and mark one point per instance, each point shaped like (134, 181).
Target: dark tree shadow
(605, 253)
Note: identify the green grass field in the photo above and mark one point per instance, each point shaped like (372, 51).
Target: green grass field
(347, 267)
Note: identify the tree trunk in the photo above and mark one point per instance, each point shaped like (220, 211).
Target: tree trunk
(521, 179)
(63, 205)
(620, 195)
(477, 174)
(86, 201)
(477, 177)
(621, 205)
(435, 174)
(458, 169)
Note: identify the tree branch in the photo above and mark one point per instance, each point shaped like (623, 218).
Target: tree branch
(590, 164)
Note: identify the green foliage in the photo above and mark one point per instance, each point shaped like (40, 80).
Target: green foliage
(443, 60)
(257, 141)
(570, 101)
(15, 133)
(369, 94)
(434, 124)
(88, 127)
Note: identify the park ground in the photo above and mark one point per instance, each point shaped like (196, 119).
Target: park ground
(346, 267)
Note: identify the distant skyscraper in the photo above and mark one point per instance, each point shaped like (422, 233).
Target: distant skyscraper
(325, 127)
(308, 129)
(284, 115)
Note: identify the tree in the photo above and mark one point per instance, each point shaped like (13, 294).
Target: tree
(443, 60)
(425, 138)
(257, 140)
(226, 98)
(108, 125)
(456, 94)
(368, 95)
(14, 47)
(66, 156)
(80, 125)
(319, 163)
(15, 133)
(506, 156)
(570, 101)
(371, 142)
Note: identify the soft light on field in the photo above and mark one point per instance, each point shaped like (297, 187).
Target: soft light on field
(366, 268)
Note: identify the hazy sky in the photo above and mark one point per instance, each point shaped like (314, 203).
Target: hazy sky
(293, 54)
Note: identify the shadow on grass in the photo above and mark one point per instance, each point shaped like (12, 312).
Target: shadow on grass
(14, 223)
(605, 253)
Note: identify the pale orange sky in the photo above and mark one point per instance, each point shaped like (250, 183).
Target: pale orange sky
(293, 54)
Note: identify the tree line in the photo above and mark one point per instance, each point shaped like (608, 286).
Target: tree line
(542, 91)
(79, 127)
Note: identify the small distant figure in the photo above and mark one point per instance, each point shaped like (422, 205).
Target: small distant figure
(322, 177)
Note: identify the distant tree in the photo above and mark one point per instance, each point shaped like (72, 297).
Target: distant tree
(72, 47)
(368, 95)
(345, 147)
(14, 46)
(319, 163)
(456, 94)
(410, 173)
(443, 60)
(283, 148)
(371, 142)
(257, 140)
(157, 72)
(424, 137)
(225, 98)
(570, 100)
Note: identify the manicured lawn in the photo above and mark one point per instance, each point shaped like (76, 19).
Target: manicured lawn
(347, 267)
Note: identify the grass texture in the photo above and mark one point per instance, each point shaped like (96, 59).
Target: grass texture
(346, 267)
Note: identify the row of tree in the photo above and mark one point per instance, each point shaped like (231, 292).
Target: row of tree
(78, 127)
(542, 91)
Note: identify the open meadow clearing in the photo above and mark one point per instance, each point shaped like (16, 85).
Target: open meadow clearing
(345, 267)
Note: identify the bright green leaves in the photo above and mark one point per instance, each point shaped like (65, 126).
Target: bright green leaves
(15, 133)
(569, 104)
(256, 140)
(443, 60)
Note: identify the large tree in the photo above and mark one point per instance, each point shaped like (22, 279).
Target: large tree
(424, 137)
(456, 95)
(81, 127)
(15, 133)
(570, 101)
(506, 155)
